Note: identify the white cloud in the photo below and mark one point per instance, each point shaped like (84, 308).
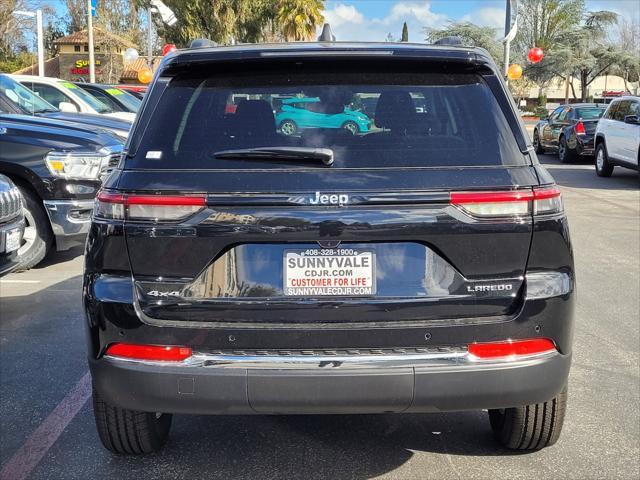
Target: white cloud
(420, 11)
(343, 14)
(488, 16)
(349, 24)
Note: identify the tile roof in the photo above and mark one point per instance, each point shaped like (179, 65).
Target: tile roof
(51, 68)
(100, 36)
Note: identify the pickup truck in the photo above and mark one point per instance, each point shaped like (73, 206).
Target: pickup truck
(58, 167)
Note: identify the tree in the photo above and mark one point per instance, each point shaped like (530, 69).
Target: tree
(542, 22)
(470, 34)
(405, 32)
(77, 15)
(584, 53)
(55, 29)
(299, 19)
(222, 21)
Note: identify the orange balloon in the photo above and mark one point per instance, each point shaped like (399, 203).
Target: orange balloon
(145, 75)
(514, 72)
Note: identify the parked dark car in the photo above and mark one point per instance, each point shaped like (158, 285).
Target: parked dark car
(424, 266)
(58, 168)
(137, 91)
(118, 99)
(16, 98)
(11, 225)
(569, 130)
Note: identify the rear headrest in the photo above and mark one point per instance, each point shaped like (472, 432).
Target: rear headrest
(395, 111)
(255, 118)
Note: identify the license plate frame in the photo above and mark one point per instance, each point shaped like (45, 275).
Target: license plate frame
(360, 283)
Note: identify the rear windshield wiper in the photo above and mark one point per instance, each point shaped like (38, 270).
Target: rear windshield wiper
(324, 155)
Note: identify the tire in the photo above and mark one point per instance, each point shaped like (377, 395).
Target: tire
(565, 154)
(288, 127)
(38, 237)
(129, 431)
(536, 142)
(531, 427)
(603, 167)
(351, 127)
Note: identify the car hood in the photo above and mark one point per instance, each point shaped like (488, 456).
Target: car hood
(110, 123)
(122, 115)
(59, 134)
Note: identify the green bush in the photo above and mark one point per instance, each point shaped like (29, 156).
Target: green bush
(540, 112)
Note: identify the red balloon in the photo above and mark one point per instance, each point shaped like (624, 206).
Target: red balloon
(535, 55)
(168, 48)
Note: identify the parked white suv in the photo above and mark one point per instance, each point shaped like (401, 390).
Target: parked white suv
(618, 136)
(69, 97)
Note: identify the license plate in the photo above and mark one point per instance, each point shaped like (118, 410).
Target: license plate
(12, 240)
(329, 272)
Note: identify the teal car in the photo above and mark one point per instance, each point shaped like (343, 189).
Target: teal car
(297, 114)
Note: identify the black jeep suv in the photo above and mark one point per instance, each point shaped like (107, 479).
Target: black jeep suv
(422, 266)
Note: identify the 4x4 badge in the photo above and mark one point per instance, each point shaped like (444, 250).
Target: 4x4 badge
(157, 293)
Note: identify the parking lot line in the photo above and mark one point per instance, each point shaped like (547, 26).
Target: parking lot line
(42, 439)
(8, 280)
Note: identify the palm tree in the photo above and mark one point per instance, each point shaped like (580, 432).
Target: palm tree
(299, 19)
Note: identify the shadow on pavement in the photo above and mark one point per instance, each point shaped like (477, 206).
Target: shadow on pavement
(582, 174)
(313, 446)
(58, 257)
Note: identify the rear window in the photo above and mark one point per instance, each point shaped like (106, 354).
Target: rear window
(369, 120)
(591, 113)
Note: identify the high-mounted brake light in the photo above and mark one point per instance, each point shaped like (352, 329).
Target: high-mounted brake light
(580, 128)
(514, 203)
(511, 348)
(147, 207)
(156, 353)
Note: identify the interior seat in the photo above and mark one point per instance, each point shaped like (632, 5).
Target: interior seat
(253, 124)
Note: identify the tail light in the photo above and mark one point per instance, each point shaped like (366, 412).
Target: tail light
(147, 207)
(511, 349)
(513, 203)
(580, 128)
(155, 353)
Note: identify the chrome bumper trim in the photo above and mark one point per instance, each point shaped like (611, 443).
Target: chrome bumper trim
(68, 218)
(459, 358)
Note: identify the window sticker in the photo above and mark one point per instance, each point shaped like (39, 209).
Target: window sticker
(114, 91)
(154, 155)
(69, 85)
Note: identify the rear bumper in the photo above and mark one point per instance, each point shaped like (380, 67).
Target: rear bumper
(70, 221)
(585, 145)
(271, 385)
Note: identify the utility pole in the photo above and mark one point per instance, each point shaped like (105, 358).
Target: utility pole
(510, 30)
(40, 34)
(150, 39)
(507, 43)
(92, 66)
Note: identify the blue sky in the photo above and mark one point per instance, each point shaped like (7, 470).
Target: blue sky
(372, 20)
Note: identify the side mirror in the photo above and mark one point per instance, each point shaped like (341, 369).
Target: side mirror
(67, 107)
(632, 119)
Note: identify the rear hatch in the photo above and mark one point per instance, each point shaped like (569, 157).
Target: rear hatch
(232, 218)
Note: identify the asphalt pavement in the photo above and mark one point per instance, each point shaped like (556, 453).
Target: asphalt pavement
(47, 429)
